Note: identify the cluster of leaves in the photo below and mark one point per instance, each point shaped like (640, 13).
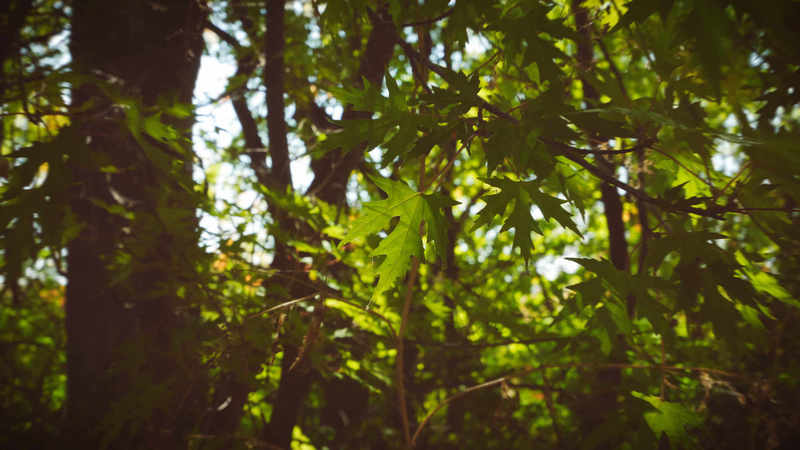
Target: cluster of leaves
(654, 310)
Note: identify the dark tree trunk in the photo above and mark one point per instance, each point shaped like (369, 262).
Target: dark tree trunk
(133, 375)
(330, 176)
(330, 179)
(12, 14)
(333, 169)
(598, 409)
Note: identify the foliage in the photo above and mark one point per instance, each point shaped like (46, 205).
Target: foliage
(407, 288)
(413, 209)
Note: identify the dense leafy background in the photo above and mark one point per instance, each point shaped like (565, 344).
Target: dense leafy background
(524, 224)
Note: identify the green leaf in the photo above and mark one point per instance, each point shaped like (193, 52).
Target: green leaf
(551, 208)
(591, 291)
(401, 142)
(396, 98)
(405, 240)
(640, 10)
(594, 120)
(619, 315)
(520, 218)
(355, 133)
(618, 280)
(438, 309)
(522, 196)
(367, 98)
(157, 129)
(764, 282)
(673, 419)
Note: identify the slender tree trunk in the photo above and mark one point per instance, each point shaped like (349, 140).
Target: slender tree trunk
(13, 14)
(597, 409)
(333, 169)
(330, 178)
(133, 375)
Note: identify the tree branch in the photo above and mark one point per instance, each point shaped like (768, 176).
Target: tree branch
(246, 64)
(224, 35)
(468, 344)
(529, 370)
(575, 154)
(332, 170)
(714, 213)
(614, 68)
(431, 20)
(274, 75)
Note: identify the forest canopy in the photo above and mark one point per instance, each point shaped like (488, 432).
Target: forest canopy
(463, 224)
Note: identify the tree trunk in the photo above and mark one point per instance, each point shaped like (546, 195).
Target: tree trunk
(133, 376)
(330, 181)
(601, 405)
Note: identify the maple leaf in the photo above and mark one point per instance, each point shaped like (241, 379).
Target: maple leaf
(523, 195)
(405, 240)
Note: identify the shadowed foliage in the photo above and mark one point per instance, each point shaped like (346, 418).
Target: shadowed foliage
(467, 224)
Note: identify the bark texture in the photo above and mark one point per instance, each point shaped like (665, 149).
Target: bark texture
(133, 375)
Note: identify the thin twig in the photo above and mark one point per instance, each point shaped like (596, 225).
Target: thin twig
(368, 311)
(530, 369)
(399, 369)
(464, 145)
(485, 63)
(663, 372)
(749, 210)
(328, 292)
(646, 233)
(715, 213)
(598, 151)
(745, 166)
(548, 400)
(282, 305)
(684, 167)
(430, 21)
(535, 340)
(450, 399)
(613, 67)
(573, 154)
